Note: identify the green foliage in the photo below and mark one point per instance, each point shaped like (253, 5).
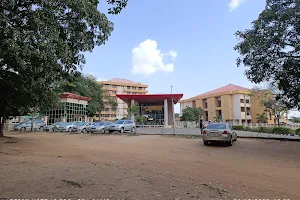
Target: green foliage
(140, 120)
(261, 118)
(134, 109)
(238, 128)
(177, 115)
(270, 49)
(124, 118)
(295, 119)
(297, 131)
(85, 85)
(219, 118)
(191, 114)
(41, 43)
(281, 130)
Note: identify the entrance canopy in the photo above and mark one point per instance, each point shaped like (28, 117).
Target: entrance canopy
(150, 98)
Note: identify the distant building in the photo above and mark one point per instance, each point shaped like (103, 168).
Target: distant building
(119, 86)
(233, 103)
(72, 107)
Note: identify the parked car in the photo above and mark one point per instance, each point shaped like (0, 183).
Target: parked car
(37, 125)
(67, 127)
(219, 132)
(80, 127)
(89, 125)
(121, 126)
(99, 127)
(54, 127)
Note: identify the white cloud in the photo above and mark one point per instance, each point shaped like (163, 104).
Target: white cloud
(234, 4)
(148, 59)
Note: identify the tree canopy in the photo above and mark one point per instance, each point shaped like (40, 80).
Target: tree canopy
(191, 114)
(43, 41)
(270, 49)
(85, 85)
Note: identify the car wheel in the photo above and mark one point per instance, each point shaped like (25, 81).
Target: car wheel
(84, 130)
(70, 130)
(230, 142)
(23, 129)
(102, 131)
(205, 143)
(53, 130)
(133, 130)
(41, 128)
(122, 130)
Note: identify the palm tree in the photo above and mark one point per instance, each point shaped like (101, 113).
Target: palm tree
(219, 118)
(261, 118)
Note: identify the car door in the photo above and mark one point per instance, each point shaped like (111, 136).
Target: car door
(130, 125)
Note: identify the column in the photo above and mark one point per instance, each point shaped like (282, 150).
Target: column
(166, 113)
(131, 115)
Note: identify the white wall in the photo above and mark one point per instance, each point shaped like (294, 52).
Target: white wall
(185, 105)
(237, 105)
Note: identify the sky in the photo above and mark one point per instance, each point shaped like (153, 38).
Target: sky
(163, 43)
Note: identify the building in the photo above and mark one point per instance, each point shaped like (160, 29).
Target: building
(119, 86)
(233, 103)
(72, 107)
(157, 108)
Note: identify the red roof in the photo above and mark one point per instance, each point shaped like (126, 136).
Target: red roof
(227, 88)
(74, 96)
(149, 98)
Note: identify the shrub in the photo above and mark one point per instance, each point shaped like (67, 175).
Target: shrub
(248, 129)
(264, 129)
(281, 130)
(297, 131)
(238, 128)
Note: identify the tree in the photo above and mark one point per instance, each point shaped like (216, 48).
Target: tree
(85, 85)
(267, 98)
(270, 49)
(42, 42)
(140, 120)
(295, 119)
(261, 118)
(219, 118)
(134, 109)
(177, 115)
(191, 114)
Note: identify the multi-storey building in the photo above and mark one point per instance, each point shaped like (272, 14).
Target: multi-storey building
(233, 103)
(119, 86)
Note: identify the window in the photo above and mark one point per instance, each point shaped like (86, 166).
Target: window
(241, 100)
(248, 111)
(140, 88)
(247, 100)
(242, 109)
(128, 87)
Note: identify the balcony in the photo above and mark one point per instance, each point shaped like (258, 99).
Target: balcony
(136, 91)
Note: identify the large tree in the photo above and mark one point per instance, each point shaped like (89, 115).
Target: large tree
(41, 42)
(192, 114)
(270, 49)
(85, 85)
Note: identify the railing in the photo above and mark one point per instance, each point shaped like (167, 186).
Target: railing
(183, 124)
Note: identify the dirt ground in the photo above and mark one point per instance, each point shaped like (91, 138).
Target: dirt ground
(63, 166)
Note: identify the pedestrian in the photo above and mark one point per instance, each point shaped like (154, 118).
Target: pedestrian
(201, 125)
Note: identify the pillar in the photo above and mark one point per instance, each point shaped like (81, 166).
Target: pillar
(166, 113)
(131, 115)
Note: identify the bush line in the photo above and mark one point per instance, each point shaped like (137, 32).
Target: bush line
(274, 130)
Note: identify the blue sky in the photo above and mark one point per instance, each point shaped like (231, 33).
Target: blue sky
(163, 43)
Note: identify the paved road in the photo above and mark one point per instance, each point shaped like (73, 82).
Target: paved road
(196, 131)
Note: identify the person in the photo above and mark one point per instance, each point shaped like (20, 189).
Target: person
(201, 125)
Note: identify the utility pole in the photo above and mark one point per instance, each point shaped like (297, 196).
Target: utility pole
(173, 109)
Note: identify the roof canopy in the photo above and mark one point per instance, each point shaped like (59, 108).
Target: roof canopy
(149, 98)
(74, 96)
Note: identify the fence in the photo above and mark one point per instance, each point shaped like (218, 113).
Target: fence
(184, 124)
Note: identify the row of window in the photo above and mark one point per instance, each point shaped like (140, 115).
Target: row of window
(125, 87)
(247, 100)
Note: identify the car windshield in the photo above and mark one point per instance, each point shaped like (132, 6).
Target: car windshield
(100, 123)
(119, 122)
(79, 123)
(216, 126)
(69, 123)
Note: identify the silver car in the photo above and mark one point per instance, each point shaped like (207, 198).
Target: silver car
(67, 127)
(54, 127)
(121, 126)
(37, 125)
(99, 127)
(80, 127)
(219, 132)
